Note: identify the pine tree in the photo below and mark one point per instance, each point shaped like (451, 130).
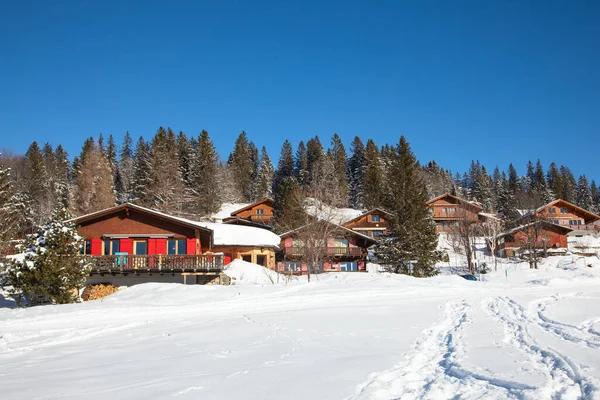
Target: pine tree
(126, 170)
(243, 166)
(595, 198)
(301, 165)
(584, 197)
(185, 152)
(205, 177)
(410, 246)
(94, 188)
(339, 159)
(554, 181)
(315, 155)
(529, 177)
(265, 176)
(514, 185)
(52, 270)
(356, 174)
(142, 174)
(539, 185)
(36, 184)
(287, 213)
(373, 177)
(569, 184)
(8, 211)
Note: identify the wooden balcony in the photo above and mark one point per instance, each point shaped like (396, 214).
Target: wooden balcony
(326, 251)
(156, 263)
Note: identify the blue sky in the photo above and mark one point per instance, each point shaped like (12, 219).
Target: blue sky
(498, 81)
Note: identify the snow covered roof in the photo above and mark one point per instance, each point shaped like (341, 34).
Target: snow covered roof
(457, 199)
(267, 200)
(588, 216)
(223, 234)
(566, 229)
(226, 210)
(327, 213)
(362, 214)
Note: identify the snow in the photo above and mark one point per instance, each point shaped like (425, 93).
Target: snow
(331, 214)
(517, 334)
(243, 273)
(226, 210)
(239, 235)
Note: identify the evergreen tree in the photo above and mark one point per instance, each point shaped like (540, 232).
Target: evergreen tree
(301, 165)
(287, 212)
(584, 197)
(243, 166)
(8, 210)
(356, 174)
(569, 184)
(339, 159)
(52, 270)
(529, 177)
(373, 177)
(410, 246)
(315, 156)
(265, 176)
(142, 174)
(186, 153)
(36, 184)
(126, 170)
(94, 188)
(554, 182)
(595, 198)
(205, 177)
(539, 185)
(514, 185)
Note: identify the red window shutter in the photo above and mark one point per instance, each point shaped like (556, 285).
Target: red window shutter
(126, 246)
(161, 246)
(228, 258)
(151, 246)
(96, 247)
(191, 246)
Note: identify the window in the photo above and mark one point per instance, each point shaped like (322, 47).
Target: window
(178, 246)
(292, 266)
(563, 210)
(377, 234)
(87, 248)
(247, 258)
(341, 243)
(578, 222)
(375, 218)
(552, 210)
(555, 221)
(349, 266)
(449, 210)
(261, 260)
(140, 247)
(111, 246)
(260, 211)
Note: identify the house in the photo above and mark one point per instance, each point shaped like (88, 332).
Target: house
(447, 210)
(339, 248)
(260, 212)
(374, 223)
(139, 244)
(549, 237)
(563, 213)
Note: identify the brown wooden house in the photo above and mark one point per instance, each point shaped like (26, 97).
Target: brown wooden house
(550, 238)
(374, 223)
(130, 239)
(260, 212)
(563, 213)
(343, 249)
(446, 210)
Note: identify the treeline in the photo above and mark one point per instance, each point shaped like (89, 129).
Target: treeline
(183, 175)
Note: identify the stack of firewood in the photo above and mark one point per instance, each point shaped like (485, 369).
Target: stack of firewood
(94, 292)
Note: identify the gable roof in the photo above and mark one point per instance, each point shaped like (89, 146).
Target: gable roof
(458, 199)
(270, 202)
(546, 224)
(125, 206)
(247, 222)
(350, 231)
(588, 216)
(378, 210)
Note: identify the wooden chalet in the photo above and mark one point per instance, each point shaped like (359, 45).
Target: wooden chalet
(260, 212)
(447, 210)
(374, 223)
(550, 238)
(563, 213)
(343, 250)
(131, 240)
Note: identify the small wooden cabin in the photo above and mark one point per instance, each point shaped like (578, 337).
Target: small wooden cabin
(374, 223)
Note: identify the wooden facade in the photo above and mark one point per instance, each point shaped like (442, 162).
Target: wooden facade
(551, 237)
(374, 223)
(563, 213)
(260, 212)
(343, 250)
(447, 210)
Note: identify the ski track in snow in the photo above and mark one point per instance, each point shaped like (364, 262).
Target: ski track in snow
(565, 379)
(433, 370)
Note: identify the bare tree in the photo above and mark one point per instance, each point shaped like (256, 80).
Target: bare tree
(463, 232)
(490, 229)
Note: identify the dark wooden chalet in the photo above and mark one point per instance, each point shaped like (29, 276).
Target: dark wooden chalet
(563, 213)
(447, 210)
(374, 223)
(260, 212)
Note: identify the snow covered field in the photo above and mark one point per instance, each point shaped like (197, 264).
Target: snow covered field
(533, 334)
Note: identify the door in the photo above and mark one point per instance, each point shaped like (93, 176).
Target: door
(140, 247)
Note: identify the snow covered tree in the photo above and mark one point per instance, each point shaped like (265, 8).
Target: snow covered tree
(166, 186)
(264, 183)
(584, 197)
(301, 164)
(315, 156)
(595, 197)
(356, 174)
(94, 188)
(36, 184)
(569, 184)
(51, 269)
(339, 159)
(410, 246)
(243, 165)
(126, 170)
(554, 182)
(287, 212)
(185, 151)
(205, 177)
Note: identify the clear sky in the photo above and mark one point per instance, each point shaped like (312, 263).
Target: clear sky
(497, 81)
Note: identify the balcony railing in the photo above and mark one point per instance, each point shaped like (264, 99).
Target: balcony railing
(157, 263)
(328, 251)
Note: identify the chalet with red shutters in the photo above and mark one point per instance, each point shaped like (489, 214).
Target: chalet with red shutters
(343, 250)
(374, 223)
(130, 240)
(259, 213)
(447, 209)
